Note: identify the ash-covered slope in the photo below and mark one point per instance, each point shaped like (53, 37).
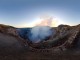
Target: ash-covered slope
(66, 38)
(61, 45)
(10, 42)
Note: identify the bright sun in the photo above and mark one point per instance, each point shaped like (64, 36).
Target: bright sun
(48, 21)
(45, 21)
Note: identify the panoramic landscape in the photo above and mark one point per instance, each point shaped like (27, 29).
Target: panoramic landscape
(39, 30)
(40, 42)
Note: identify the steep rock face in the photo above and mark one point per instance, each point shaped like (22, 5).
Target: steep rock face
(65, 39)
(10, 42)
(65, 44)
(8, 29)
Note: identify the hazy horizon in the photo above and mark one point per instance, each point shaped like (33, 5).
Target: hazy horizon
(27, 13)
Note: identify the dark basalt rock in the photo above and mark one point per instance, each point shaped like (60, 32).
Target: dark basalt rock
(65, 39)
(66, 42)
(10, 41)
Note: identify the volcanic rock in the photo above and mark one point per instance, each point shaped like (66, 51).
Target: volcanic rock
(65, 39)
(66, 42)
(10, 42)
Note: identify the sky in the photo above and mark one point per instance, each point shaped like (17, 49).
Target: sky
(24, 13)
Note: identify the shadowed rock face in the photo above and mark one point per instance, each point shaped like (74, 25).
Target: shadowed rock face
(10, 42)
(65, 41)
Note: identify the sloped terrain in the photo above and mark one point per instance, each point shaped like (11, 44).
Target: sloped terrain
(64, 45)
(10, 42)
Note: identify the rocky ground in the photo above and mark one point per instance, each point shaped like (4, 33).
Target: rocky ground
(64, 45)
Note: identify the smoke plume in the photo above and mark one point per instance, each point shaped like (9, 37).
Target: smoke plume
(39, 33)
(46, 21)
